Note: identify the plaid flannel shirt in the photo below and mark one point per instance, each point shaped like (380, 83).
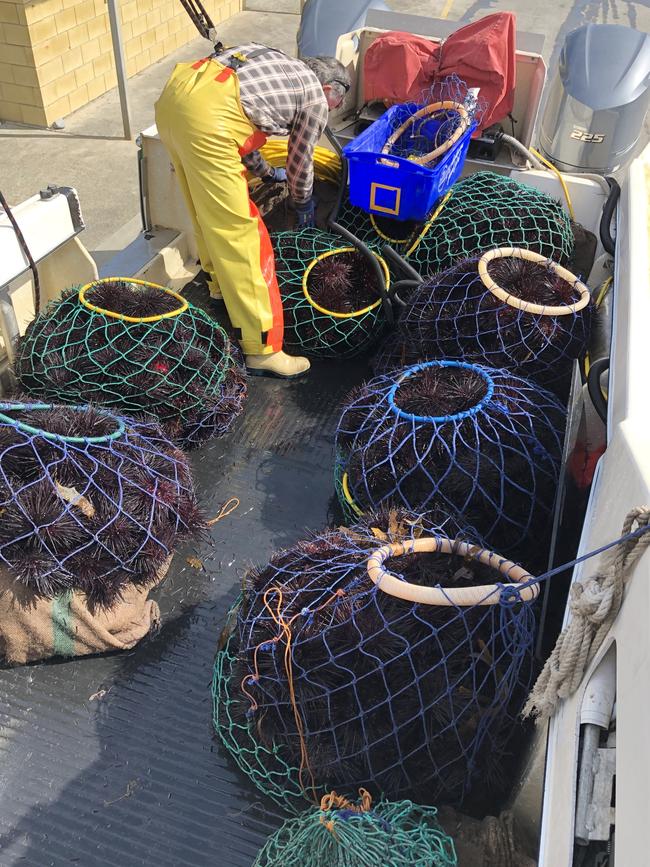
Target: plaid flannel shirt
(280, 95)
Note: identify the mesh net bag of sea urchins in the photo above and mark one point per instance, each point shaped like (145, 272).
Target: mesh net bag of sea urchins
(482, 211)
(397, 665)
(89, 500)
(507, 308)
(331, 294)
(466, 439)
(137, 348)
(360, 833)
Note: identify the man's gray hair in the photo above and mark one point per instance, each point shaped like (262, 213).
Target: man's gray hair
(328, 70)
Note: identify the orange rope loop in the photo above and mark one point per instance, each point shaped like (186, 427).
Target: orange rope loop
(338, 802)
(228, 507)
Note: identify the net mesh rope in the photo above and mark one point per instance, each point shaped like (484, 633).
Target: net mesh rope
(89, 500)
(482, 211)
(327, 682)
(342, 833)
(180, 367)
(466, 439)
(456, 112)
(335, 311)
(454, 315)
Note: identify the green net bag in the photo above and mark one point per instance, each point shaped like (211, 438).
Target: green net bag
(481, 211)
(331, 294)
(137, 348)
(342, 833)
(263, 765)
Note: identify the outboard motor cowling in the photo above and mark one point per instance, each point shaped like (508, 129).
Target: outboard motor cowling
(598, 99)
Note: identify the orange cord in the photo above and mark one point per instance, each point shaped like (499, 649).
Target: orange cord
(228, 507)
(285, 627)
(338, 802)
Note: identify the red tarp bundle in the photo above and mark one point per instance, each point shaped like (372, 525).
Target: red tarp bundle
(482, 54)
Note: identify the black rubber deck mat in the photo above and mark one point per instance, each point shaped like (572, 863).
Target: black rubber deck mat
(112, 760)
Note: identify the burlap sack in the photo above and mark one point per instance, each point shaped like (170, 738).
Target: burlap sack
(33, 628)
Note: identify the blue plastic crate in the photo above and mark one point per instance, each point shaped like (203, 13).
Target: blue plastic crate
(394, 186)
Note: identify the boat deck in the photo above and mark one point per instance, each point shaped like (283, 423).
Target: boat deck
(112, 760)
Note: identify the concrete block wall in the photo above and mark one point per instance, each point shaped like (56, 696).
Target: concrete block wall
(56, 55)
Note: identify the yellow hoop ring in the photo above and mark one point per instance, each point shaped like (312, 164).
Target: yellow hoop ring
(320, 309)
(427, 225)
(348, 496)
(527, 306)
(383, 236)
(113, 315)
(486, 594)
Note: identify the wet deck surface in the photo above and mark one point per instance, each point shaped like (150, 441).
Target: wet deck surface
(112, 760)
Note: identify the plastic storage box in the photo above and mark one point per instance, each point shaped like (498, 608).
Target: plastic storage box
(394, 186)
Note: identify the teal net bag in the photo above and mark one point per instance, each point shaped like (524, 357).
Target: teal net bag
(481, 211)
(343, 833)
(331, 295)
(136, 348)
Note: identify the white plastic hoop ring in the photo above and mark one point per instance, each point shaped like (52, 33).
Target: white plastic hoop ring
(463, 597)
(527, 306)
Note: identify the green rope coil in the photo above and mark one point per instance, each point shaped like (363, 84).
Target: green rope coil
(396, 834)
(303, 259)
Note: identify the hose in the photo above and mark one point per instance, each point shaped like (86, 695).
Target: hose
(402, 284)
(516, 145)
(327, 165)
(605, 229)
(399, 262)
(26, 252)
(598, 399)
(549, 165)
(343, 175)
(541, 163)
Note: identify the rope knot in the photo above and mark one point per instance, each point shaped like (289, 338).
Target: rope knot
(594, 604)
(592, 599)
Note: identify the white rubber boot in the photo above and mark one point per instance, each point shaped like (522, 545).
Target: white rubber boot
(277, 364)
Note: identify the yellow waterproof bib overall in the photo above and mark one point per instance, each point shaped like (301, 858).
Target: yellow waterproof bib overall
(201, 123)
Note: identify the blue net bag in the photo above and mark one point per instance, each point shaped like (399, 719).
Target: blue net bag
(89, 500)
(137, 348)
(469, 440)
(400, 666)
(507, 308)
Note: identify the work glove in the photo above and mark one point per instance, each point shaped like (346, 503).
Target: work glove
(305, 214)
(275, 176)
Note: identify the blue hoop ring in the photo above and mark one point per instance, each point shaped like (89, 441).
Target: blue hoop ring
(462, 365)
(20, 425)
